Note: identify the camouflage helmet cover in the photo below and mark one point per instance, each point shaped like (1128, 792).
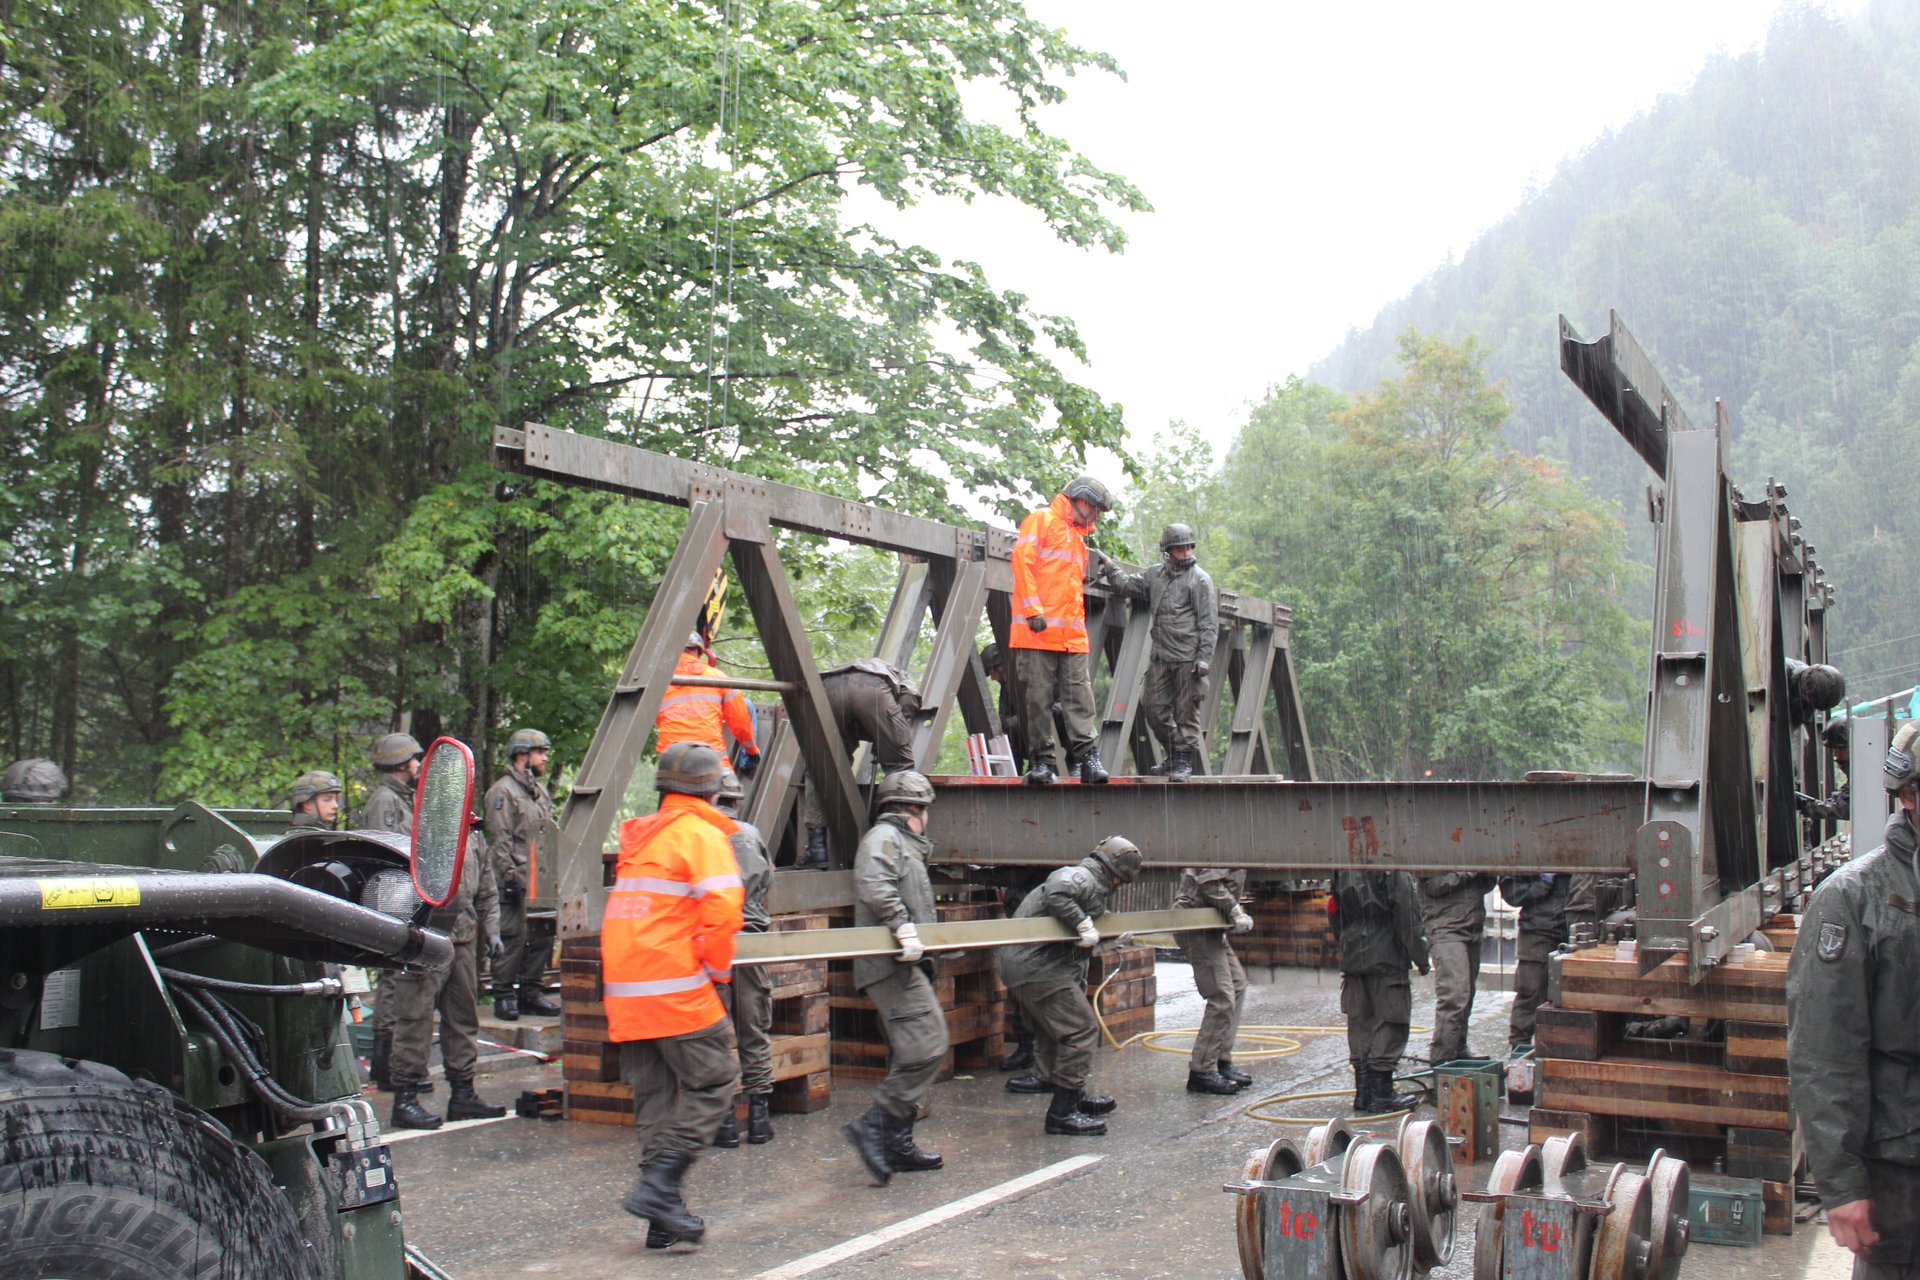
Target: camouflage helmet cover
(904, 787)
(1176, 535)
(1901, 768)
(1088, 489)
(730, 792)
(1821, 686)
(36, 781)
(394, 750)
(314, 782)
(1121, 856)
(689, 769)
(525, 740)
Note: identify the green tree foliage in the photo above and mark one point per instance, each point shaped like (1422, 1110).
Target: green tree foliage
(273, 275)
(1760, 234)
(1457, 606)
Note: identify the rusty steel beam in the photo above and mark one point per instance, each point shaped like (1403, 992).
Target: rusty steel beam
(1310, 827)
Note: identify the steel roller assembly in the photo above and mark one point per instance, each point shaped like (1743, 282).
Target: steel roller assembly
(1550, 1215)
(1348, 1205)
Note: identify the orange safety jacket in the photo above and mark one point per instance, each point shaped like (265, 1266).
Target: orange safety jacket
(671, 918)
(689, 713)
(1049, 579)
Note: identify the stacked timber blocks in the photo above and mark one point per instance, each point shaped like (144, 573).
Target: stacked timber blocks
(1290, 929)
(1715, 1099)
(970, 994)
(591, 1064)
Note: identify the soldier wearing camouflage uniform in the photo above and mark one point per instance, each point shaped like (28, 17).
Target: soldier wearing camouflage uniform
(314, 801)
(472, 914)
(1218, 976)
(891, 888)
(1185, 626)
(396, 758)
(1453, 911)
(515, 807)
(870, 701)
(1853, 1043)
(36, 781)
(1542, 900)
(1048, 980)
(747, 998)
(1377, 923)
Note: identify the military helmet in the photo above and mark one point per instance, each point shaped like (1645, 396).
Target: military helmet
(1821, 686)
(903, 787)
(1901, 768)
(1088, 489)
(394, 750)
(695, 642)
(1120, 856)
(1837, 735)
(526, 740)
(37, 781)
(990, 657)
(1176, 535)
(730, 792)
(689, 769)
(314, 782)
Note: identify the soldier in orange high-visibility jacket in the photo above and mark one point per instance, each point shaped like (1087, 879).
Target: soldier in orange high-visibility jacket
(1048, 635)
(667, 939)
(692, 713)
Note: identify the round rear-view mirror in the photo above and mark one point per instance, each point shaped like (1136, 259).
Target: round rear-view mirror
(442, 818)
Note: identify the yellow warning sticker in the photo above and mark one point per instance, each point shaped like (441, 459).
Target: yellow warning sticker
(69, 892)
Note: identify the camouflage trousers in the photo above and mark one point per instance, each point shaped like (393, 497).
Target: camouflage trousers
(682, 1088)
(1172, 704)
(916, 1032)
(1529, 986)
(1222, 981)
(1064, 1032)
(1456, 972)
(751, 1007)
(417, 994)
(866, 709)
(1379, 1009)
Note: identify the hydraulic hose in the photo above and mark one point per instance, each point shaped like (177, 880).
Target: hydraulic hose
(318, 987)
(220, 1022)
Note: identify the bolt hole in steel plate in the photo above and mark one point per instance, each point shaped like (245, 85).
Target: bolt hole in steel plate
(1273, 1163)
(1376, 1234)
(1670, 1186)
(1513, 1171)
(1623, 1244)
(1428, 1163)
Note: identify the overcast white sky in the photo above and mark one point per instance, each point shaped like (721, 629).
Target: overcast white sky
(1310, 161)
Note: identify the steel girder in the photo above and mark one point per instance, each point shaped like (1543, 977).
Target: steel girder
(1737, 593)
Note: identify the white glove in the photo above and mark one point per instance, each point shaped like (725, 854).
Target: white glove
(910, 948)
(1089, 934)
(1124, 941)
(1242, 922)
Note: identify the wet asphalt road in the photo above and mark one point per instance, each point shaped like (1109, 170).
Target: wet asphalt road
(516, 1198)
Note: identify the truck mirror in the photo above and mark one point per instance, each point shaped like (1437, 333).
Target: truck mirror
(442, 819)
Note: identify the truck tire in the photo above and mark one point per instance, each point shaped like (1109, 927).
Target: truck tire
(107, 1178)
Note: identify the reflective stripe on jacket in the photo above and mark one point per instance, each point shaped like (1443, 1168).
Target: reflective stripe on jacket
(1049, 579)
(671, 920)
(689, 713)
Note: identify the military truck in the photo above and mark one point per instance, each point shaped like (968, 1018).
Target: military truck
(178, 1096)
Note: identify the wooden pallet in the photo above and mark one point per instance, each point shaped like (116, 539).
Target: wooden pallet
(1291, 930)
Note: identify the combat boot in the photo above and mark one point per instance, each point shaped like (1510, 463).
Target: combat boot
(407, 1111)
(1160, 770)
(379, 1059)
(464, 1104)
(1028, 1084)
(1065, 1117)
(814, 856)
(759, 1123)
(656, 1197)
(1089, 767)
(1210, 1082)
(869, 1135)
(506, 1006)
(536, 1004)
(1041, 775)
(1180, 767)
(729, 1135)
(1022, 1056)
(1362, 1089)
(1234, 1073)
(658, 1239)
(1096, 1104)
(1383, 1100)
(905, 1155)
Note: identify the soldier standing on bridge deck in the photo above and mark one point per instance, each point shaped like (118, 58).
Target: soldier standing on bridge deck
(1049, 631)
(1048, 980)
(891, 888)
(1378, 925)
(746, 997)
(870, 701)
(1218, 976)
(396, 758)
(1185, 625)
(314, 801)
(1853, 1044)
(1453, 911)
(515, 806)
(667, 939)
(1542, 900)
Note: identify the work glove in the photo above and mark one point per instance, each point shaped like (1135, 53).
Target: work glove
(1242, 922)
(1202, 669)
(910, 948)
(512, 892)
(1089, 934)
(1036, 624)
(496, 948)
(1424, 968)
(749, 764)
(1124, 941)
(1546, 877)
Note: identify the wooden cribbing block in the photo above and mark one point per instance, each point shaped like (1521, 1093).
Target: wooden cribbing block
(1752, 990)
(599, 1103)
(801, 1015)
(1585, 1035)
(1774, 1155)
(1663, 1091)
(803, 1095)
(1757, 1048)
(799, 1055)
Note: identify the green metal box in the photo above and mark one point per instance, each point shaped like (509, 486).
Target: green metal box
(1726, 1210)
